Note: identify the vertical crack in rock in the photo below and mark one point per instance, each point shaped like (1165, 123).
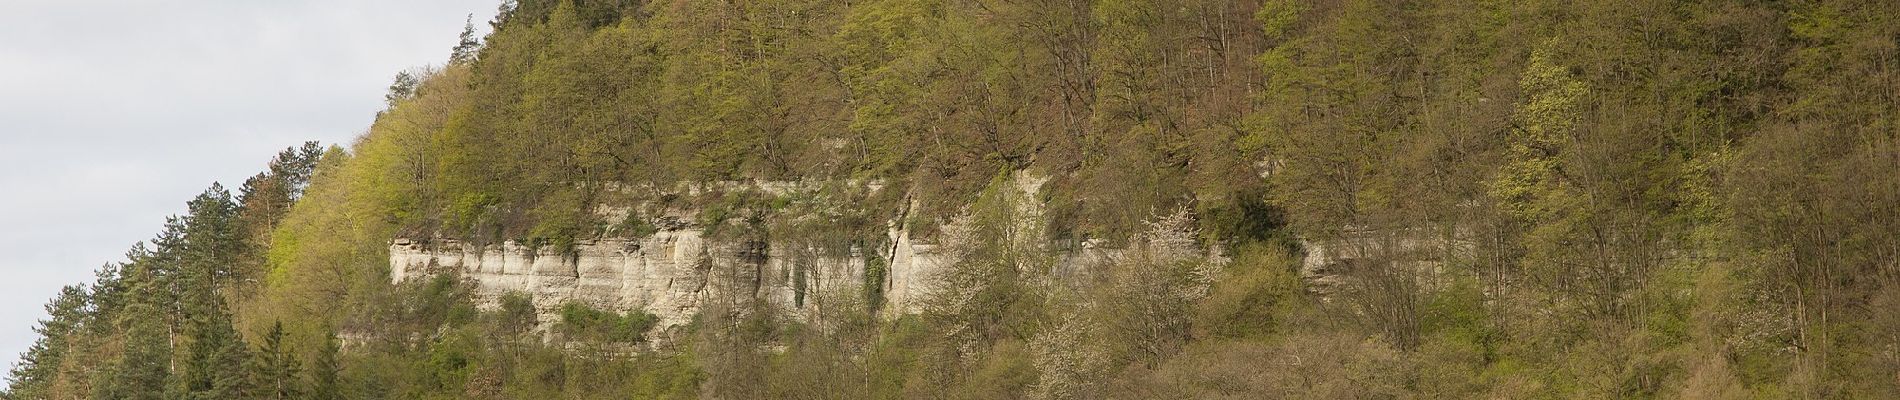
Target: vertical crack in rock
(901, 228)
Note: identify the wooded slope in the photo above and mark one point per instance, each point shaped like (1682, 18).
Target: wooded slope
(1627, 199)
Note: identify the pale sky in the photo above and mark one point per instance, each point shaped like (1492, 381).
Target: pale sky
(113, 113)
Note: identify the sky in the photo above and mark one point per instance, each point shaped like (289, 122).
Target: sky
(114, 113)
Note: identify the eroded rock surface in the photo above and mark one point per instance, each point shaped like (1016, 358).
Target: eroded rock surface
(671, 274)
(679, 271)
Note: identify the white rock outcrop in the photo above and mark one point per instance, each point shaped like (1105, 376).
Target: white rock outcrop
(671, 274)
(678, 271)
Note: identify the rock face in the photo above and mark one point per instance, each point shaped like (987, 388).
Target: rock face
(678, 271)
(671, 274)
(1331, 265)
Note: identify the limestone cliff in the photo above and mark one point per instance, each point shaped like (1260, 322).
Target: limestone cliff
(678, 270)
(670, 274)
(674, 272)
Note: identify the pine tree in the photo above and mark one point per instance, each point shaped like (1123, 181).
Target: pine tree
(325, 381)
(212, 243)
(41, 362)
(295, 168)
(160, 269)
(403, 88)
(109, 289)
(147, 324)
(215, 354)
(466, 48)
(267, 196)
(214, 363)
(143, 370)
(275, 367)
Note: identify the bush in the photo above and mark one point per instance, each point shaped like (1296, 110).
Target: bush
(579, 321)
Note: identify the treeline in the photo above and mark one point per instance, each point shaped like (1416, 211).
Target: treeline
(1641, 198)
(1626, 199)
(934, 97)
(159, 325)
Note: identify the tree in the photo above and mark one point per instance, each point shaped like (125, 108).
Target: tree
(403, 88)
(276, 368)
(467, 46)
(40, 364)
(143, 369)
(325, 382)
(213, 244)
(262, 202)
(215, 359)
(265, 198)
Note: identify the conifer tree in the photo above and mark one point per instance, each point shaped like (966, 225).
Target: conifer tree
(215, 354)
(325, 384)
(403, 88)
(160, 270)
(41, 362)
(467, 46)
(212, 243)
(215, 359)
(266, 197)
(275, 367)
(143, 369)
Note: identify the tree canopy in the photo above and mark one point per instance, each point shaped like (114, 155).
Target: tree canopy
(1310, 199)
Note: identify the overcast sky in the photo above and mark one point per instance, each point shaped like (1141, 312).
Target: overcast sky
(114, 113)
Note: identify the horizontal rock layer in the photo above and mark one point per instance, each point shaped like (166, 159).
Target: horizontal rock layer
(671, 274)
(678, 271)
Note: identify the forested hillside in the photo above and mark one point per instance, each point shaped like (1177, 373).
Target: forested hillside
(1538, 199)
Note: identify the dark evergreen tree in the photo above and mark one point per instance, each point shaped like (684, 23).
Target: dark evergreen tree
(215, 359)
(275, 368)
(294, 167)
(108, 290)
(171, 296)
(212, 243)
(214, 352)
(267, 196)
(159, 274)
(143, 368)
(325, 384)
(402, 88)
(467, 46)
(41, 362)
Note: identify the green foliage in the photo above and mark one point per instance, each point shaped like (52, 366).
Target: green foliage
(635, 226)
(876, 272)
(325, 383)
(33, 376)
(1261, 283)
(581, 322)
(1533, 199)
(467, 45)
(141, 370)
(516, 315)
(276, 368)
(988, 294)
(214, 365)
